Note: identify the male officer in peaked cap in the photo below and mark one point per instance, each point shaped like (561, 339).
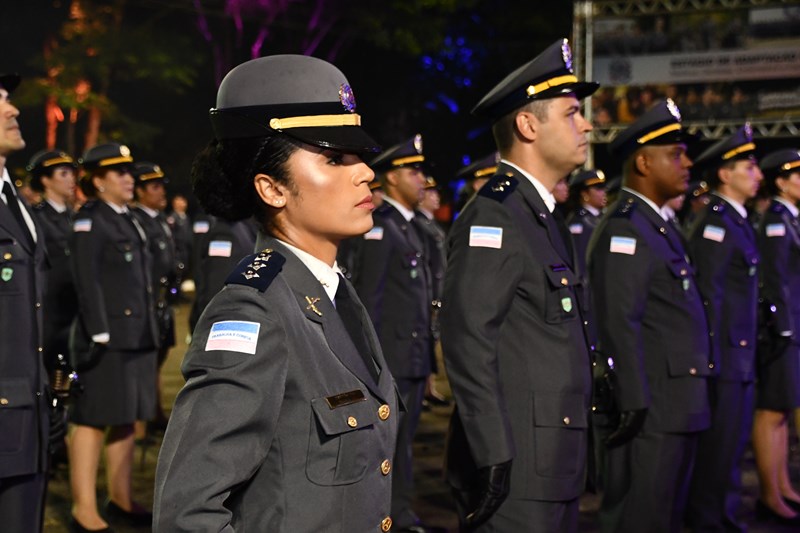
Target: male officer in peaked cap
(654, 327)
(513, 334)
(588, 187)
(723, 247)
(475, 175)
(24, 425)
(393, 280)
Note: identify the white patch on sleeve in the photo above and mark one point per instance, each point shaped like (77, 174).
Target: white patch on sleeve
(576, 229)
(485, 237)
(233, 336)
(714, 233)
(775, 230)
(623, 245)
(375, 234)
(220, 248)
(82, 224)
(201, 226)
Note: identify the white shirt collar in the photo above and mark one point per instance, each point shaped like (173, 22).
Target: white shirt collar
(152, 212)
(327, 276)
(547, 196)
(408, 214)
(648, 201)
(789, 205)
(425, 212)
(25, 215)
(592, 210)
(119, 210)
(736, 205)
(60, 208)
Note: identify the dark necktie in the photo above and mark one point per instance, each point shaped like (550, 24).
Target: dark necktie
(348, 312)
(13, 206)
(565, 250)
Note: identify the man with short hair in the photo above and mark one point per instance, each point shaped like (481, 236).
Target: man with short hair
(24, 390)
(513, 335)
(651, 321)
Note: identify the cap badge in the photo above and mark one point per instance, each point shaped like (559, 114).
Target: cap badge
(418, 143)
(566, 54)
(124, 151)
(347, 98)
(673, 109)
(748, 132)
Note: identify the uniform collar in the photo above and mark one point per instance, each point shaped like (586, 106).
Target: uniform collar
(592, 210)
(151, 212)
(648, 201)
(736, 205)
(120, 210)
(547, 196)
(789, 205)
(327, 276)
(408, 214)
(59, 207)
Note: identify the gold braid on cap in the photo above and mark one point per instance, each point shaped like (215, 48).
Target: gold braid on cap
(406, 160)
(315, 121)
(485, 171)
(57, 160)
(552, 82)
(658, 133)
(115, 161)
(791, 165)
(739, 150)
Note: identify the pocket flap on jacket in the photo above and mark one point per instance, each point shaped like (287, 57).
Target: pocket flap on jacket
(345, 418)
(564, 410)
(15, 393)
(560, 276)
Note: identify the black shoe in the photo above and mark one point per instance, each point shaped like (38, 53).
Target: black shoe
(116, 513)
(765, 514)
(76, 527)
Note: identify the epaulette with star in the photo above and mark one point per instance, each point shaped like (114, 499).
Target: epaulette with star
(499, 187)
(624, 209)
(257, 270)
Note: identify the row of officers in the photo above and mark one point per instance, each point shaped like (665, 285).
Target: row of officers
(636, 365)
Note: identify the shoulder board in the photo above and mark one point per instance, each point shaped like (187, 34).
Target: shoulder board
(624, 209)
(257, 270)
(777, 207)
(499, 187)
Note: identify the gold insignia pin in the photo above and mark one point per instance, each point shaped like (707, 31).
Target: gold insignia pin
(312, 305)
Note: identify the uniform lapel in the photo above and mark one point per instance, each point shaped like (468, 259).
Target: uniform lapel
(670, 233)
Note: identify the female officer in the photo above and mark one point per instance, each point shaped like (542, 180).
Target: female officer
(288, 419)
(114, 340)
(778, 389)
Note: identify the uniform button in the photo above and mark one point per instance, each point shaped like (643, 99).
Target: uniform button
(418, 254)
(386, 524)
(3, 401)
(127, 246)
(413, 334)
(710, 333)
(683, 272)
(594, 408)
(386, 467)
(742, 343)
(38, 305)
(663, 230)
(383, 412)
(351, 421)
(41, 349)
(7, 256)
(564, 281)
(128, 312)
(566, 420)
(693, 371)
(711, 365)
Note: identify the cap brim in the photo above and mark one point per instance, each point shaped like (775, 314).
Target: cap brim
(348, 139)
(580, 89)
(9, 82)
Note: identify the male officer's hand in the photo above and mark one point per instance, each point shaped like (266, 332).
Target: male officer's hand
(493, 484)
(630, 423)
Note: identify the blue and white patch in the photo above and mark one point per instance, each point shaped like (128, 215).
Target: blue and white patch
(622, 245)
(486, 237)
(775, 230)
(714, 233)
(220, 248)
(82, 224)
(576, 229)
(201, 226)
(233, 336)
(375, 234)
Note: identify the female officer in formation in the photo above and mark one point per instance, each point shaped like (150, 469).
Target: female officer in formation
(113, 339)
(778, 388)
(288, 418)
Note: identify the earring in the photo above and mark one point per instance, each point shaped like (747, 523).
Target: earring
(279, 201)
(101, 189)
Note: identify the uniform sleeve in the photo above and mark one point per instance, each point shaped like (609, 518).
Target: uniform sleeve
(480, 285)
(619, 277)
(711, 249)
(87, 262)
(224, 418)
(775, 277)
(215, 267)
(370, 280)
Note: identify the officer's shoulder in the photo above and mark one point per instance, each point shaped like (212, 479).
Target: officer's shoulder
(88, 209)
(777, 207)
(39, 207)
(257, 270)
(499, 187)
(623, 209)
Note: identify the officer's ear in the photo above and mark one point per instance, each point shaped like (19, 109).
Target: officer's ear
(526, 125)
(391, 178)
(270, 191)
(641, 161)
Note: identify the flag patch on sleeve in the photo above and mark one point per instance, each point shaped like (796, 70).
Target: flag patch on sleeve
(220, 248)
(623, 245)
(83, 224)
(775, 230)
(201, 226)
(486, 237)
(576, 229)
(375, 234)
(714, 233)
(233, 336)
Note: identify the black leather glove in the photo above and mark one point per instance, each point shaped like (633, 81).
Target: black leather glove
(630, 423)
(493, 486)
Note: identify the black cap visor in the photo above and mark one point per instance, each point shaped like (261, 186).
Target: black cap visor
(9, 82)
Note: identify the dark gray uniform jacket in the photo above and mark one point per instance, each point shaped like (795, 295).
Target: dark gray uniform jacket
(393, 282)
(723, 249)
(24, 426)
(290, 437)
(653, 323)
(514, 344)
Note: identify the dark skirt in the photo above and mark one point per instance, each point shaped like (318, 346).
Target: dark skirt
(778, 387)
(119, 387)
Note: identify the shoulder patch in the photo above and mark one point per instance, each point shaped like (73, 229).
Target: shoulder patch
(775, 230)
(375, 234)
(576, 228)
(201, 226)
(82, 224)
(257, 270)
(624, 209)
(499, 187)
(714, 233)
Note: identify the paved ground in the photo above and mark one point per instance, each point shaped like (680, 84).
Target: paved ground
(433, 505)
